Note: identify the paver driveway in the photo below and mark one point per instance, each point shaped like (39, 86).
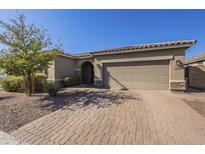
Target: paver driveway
(148, 117)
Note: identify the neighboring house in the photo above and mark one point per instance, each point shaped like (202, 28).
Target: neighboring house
(158, 66)
(195, 71)
(196, 60)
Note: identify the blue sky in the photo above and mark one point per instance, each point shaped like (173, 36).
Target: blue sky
(88, 30)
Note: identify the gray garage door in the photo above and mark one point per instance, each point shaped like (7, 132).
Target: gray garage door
(137, 75)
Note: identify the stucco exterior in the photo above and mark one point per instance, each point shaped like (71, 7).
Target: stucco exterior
(195, 71)
(197, 77)
(51, 71)
(175, 55)
(61, 67)
(64, 66)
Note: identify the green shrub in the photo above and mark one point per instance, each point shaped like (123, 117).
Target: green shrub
(40, 82)
(16, 84)
(52, 88)
(12, 84)
(71, 81)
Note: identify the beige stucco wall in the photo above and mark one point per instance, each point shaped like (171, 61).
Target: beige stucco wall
(61, 67)
(80, 62)
(51, 71)
(64, 66)
(197, 77)
(177, 73)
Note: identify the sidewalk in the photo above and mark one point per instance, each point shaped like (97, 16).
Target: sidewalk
(6, 139)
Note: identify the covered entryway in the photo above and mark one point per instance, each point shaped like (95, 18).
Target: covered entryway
(137, 75)
(87, 73)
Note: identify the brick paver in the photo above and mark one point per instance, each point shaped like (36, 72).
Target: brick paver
(154, 117)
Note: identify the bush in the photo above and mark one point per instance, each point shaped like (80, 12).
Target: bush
(52, 88)
(12, 84)
(71, 81)
(16, 84)
(40, 82)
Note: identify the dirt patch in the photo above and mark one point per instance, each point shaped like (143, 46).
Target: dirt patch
(197, 105)
(17, 109)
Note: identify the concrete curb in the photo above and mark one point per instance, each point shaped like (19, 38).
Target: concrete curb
(7, 139)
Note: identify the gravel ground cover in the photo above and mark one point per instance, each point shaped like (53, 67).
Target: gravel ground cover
(195, 99)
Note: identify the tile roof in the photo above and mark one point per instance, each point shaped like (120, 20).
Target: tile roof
(139, 47)
(197, 58)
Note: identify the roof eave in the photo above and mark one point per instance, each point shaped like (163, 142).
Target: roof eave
(195, 61)
(68, 56)
(142, 50)
(138, 48)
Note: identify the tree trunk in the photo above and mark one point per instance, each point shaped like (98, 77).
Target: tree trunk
(29, 85)
(33, 84)
(25, 84)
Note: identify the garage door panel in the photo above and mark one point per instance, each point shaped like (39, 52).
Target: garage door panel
(139, 75)
(163, 82)
(152, 72)
(162, 79)
(163, 71)
(116, 81)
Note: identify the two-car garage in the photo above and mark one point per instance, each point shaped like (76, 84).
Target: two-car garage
(137, 75)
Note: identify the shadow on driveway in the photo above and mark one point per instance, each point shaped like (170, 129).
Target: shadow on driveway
(194, 90)
(5, 97)
(85, 98)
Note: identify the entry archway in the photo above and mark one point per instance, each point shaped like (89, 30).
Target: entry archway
(87, 76)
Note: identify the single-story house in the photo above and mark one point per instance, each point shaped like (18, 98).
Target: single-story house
(195, 71)
(157, 66)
